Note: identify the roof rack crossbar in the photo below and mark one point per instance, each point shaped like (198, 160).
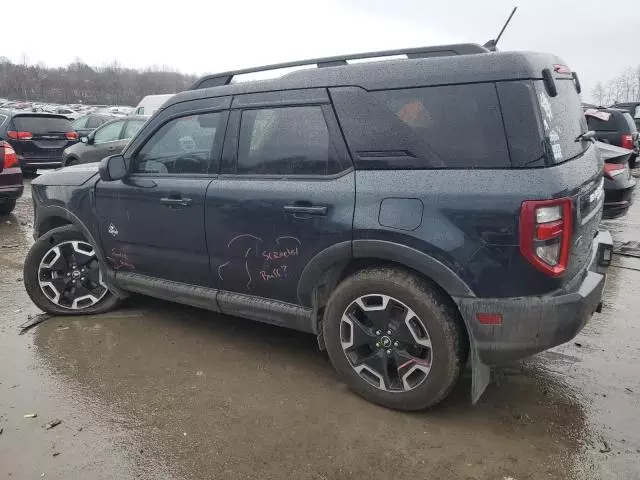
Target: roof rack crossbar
(224, 78)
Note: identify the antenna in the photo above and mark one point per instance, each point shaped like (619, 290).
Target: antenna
(492, 44)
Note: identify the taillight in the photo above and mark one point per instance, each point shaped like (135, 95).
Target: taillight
(626, 141)
(19, 135)
(10, 157)
(72, 135)
(613, 169)
(545, 234)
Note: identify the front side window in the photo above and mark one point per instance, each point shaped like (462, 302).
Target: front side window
(285, 141)
(108, 133)
(183, 145)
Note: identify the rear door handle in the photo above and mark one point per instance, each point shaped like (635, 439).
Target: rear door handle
(111, 149)
(306, 209)
(175, 202)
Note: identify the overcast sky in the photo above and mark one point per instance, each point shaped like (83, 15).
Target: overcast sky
(209, 36)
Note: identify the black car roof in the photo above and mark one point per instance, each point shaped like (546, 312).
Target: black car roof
(13, 114)
(403, 73)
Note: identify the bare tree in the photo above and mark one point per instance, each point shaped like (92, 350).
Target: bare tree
(78, 82)
(599, 93)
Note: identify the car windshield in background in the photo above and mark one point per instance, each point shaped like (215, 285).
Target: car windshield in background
(41, 124)
(563, 120)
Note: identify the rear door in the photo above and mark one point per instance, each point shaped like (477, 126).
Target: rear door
(286, 193)
(39, 136)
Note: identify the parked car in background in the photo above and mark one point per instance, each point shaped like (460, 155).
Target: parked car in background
(633, 108)
(109, 139)
(67, 112)
(618, 182)
(149, 104)
(615, 127)
(37, 138)
(88, 123)
(341, 201)
(11, 186)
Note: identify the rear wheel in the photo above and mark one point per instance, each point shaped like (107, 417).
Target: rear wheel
(7, 205)
(394, 339)
(63, 276)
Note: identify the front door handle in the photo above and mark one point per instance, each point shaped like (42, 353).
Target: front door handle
(111, 149)
(306, 209)
(175, 202)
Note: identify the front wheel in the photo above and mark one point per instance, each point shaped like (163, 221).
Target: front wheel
(394, 338)
(62, 275)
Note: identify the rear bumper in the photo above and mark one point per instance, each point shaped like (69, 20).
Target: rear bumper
(534, 324)
(11, 183)
(618, 199)
(36, 163)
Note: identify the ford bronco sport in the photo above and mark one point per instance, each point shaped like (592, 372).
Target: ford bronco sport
(411, 213)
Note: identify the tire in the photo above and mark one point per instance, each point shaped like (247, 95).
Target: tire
(7, 205)
(72, 251)
(434, 322)
(71, 161)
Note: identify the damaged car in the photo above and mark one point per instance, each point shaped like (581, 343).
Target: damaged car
(411, 213)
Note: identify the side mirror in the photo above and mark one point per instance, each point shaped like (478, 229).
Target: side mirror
(84, 140)
(112, 168)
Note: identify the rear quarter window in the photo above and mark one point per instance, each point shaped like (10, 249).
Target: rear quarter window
(42, 124)
(562, 120)
(452, 126)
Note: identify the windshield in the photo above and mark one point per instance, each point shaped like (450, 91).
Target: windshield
(41, 124)
(563, 121)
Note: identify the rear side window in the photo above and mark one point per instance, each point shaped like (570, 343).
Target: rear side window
(132, 127)
(562, 120)
(41, 124)
(453, 126)
(285, 141)
(95, 122)
(80, 122)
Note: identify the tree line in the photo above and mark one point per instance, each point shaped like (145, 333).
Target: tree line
(80, 83)
(623, 88)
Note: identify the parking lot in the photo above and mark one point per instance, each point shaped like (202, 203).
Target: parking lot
(156, 390)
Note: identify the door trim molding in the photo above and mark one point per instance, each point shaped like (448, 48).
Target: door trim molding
(260, 309)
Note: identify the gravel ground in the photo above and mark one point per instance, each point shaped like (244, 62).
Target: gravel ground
(160, 391)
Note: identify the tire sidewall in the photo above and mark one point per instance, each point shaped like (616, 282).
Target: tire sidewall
(435, 316)
(32, 265)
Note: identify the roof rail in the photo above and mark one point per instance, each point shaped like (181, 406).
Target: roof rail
(219, 79)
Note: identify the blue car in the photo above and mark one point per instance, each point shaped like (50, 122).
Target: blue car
(410, 213)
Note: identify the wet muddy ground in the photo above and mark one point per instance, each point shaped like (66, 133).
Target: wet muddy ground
(160, 391)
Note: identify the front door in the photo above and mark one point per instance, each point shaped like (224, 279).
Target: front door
(285, 194)
(105, 141)
(152, 222)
